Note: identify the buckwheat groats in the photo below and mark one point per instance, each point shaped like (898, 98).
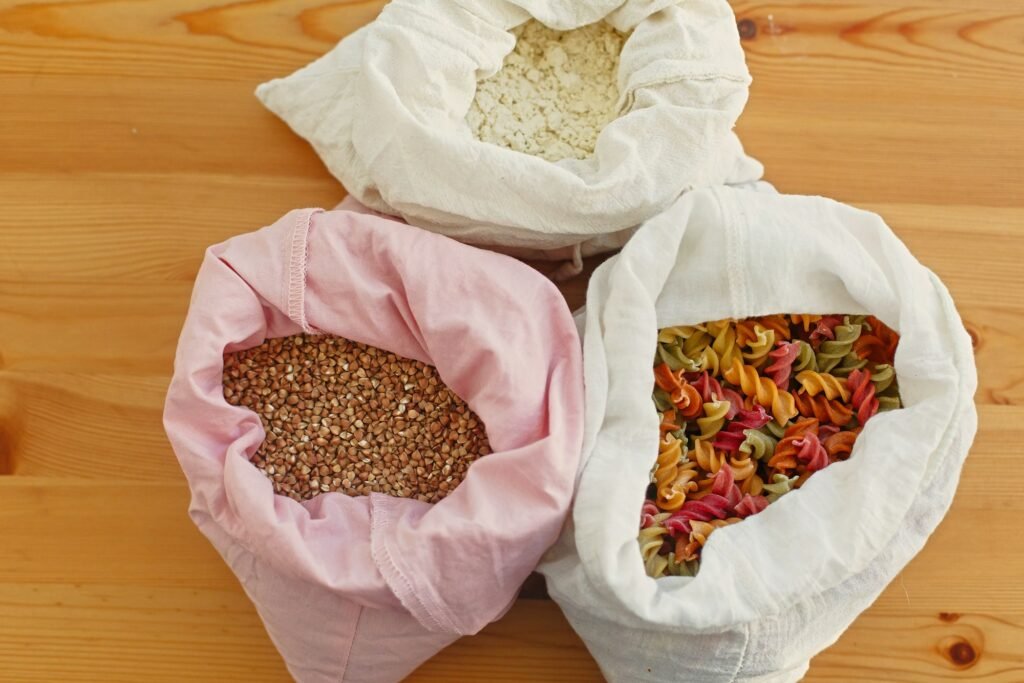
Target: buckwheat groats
(344, 416)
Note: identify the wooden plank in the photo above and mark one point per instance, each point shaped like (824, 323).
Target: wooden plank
(110, 632)
(926, 647)
(86, 532)
(879, 101)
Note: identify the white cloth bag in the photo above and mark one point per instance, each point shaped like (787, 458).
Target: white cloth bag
(385, 110)
(782, 585)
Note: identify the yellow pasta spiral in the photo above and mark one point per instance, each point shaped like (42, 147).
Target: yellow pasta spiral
(724, 346)
(673, 479)
(742, 468)
(762, 342)
(805, 320)
(699, 533)
(707, 458)
(714, 418)
(651, 540)
(762, 390)
(818, 382)
(668, 335)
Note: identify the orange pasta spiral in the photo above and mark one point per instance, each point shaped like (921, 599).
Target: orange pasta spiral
(840, 445)
(762, 390)
(668, 422)
(777, 324)
(822, 409)
(821, 382)
(686, 398)
(878, 345)
(687, 547)
(673, 479)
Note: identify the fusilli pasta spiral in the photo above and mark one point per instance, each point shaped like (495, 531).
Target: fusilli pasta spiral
(831, 352)
(763, 390)
(815, 383)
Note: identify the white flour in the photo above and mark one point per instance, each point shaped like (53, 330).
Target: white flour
(554, 93)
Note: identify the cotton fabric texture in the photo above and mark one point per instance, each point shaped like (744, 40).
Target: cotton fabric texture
(386, 110)
(782, 585)
(367, 588)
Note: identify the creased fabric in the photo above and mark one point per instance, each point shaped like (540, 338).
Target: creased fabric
(782, 585)
(366, 588)
(386, 108)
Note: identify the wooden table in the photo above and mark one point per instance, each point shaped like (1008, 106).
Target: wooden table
(130, 140)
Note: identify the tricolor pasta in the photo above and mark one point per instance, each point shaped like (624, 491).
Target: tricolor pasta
(749, 410)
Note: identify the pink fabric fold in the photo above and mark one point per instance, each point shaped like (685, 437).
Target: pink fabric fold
(365, 589)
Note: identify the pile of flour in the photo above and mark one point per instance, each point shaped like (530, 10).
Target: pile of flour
(554, 93)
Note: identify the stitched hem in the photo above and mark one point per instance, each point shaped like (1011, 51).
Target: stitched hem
(735, 246)
(298, 246)
(743, 653)
(433, 617)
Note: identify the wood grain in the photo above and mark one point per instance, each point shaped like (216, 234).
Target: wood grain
(130, 141)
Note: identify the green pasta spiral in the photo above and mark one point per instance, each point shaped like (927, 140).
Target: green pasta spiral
(685, 568)
(882, 375)
(832, 352)
(759, 444)
(805, 360)
(780, 485)
(774, 429)
(888, 403)
(848, 364)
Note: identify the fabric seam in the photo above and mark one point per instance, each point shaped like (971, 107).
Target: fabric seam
(735, 275)
(379, 519)
(743, 653)
(297, 260)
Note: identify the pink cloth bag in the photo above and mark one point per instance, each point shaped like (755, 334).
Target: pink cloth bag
(367, 588)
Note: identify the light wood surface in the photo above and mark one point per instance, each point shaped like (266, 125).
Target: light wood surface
(130, 140)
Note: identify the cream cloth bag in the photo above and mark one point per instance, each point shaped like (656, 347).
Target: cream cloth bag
(386, 109)
(782, 585)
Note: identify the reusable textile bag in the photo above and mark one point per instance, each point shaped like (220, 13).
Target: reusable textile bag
(366, 588)
(385, 110)
(780, 586)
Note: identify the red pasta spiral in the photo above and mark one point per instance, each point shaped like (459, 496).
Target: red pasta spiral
(750, 505)
(862, 394)
(730, 438)
(781, 368)
(825, 329)
(647, 513)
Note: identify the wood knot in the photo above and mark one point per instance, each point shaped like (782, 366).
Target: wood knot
(949, 617)
(747, 28)
(974, 335)
(960, 653)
